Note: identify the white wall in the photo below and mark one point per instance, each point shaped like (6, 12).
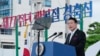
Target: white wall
(7, 52)
(73, 2)
(96, 11)
(24, 7)
(57, 27)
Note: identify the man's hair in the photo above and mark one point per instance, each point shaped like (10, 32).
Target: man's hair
(74, 19)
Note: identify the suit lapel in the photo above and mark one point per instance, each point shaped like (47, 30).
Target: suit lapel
(74, 36)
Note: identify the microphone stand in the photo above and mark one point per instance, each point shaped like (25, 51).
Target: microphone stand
(39, 23)
(39, 35)
(56, 36)
(53, 38)
(38, 41)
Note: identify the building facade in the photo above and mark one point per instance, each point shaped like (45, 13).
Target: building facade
(19, 7)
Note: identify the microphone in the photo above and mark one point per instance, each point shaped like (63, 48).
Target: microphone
(57, 35)
(52, 35)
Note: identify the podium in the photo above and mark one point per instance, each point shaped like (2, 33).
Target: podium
(54, 49)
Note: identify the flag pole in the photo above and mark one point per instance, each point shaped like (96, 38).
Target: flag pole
(46, 35)
(81, 19)
(16, 33)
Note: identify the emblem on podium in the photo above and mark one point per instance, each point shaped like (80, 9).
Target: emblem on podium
(41, 49)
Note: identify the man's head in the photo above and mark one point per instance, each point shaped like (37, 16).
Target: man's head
(72, 23)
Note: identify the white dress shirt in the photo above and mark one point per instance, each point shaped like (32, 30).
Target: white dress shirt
(72, 33)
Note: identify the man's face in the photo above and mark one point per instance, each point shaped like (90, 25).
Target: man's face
(71, 25)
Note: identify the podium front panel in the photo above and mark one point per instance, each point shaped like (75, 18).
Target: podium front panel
(54, 49)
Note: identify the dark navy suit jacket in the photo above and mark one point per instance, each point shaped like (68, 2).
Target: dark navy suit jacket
(78, 41)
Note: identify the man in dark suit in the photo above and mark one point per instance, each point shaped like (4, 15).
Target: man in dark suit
(76, 37)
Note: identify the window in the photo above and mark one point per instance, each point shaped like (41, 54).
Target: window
(29, 2)
(29, 33)
(5, 12)
(3, 2)
(47, 3)
(19, 33)
(19, 1)
(5, 8)
(6, 31)
(8, 46)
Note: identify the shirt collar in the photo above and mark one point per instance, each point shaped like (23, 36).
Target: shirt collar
(72, 32)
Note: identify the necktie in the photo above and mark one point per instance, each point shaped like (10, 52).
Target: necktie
(68, 38)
